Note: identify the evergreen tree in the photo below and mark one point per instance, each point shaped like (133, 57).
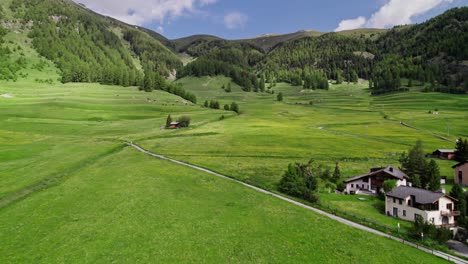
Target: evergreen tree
(461, 153)
(457, 192)
(206, 104)
(279, 97)
(300, 180)
(228, 88)
(410, 83)
(234, 107)
(339, 77)
(262, 84)
(414, 165)
(336, 173)
(168, 121)
(226, 107)
(433, 176)
(354, 77)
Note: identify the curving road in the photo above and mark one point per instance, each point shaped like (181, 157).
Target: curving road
(334, 217)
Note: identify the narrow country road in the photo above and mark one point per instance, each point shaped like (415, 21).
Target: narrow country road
(334, 217)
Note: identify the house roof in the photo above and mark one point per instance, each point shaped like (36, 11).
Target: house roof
(459, 164)
(446, 150)
(394, 172)
(422, 196)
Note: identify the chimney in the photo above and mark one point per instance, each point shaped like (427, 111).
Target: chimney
(390, 169)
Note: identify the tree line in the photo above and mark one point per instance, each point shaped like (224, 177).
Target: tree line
(214, 104)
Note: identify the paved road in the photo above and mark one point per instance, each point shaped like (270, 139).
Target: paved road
(334, 217)
(458, 247)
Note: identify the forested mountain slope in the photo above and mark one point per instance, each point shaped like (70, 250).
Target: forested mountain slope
(88, 47)
(434, 54)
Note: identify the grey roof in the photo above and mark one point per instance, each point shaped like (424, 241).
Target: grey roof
(422, 196)
(459, 164)
(446, 150)
(392, 171)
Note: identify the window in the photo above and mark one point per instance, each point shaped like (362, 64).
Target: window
(432, 220)
(394, 200)
(417, 216)
(460, 177)
(404, 212)
(400, 201)
(352, 185)
(449, 207)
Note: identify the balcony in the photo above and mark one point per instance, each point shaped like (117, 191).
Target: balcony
(450, 213)
(448, 225)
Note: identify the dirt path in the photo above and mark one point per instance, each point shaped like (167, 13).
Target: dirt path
(426, 131)
(334, 217)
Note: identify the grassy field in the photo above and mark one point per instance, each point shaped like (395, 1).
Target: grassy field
(72, 192)
(90, 199)
(131, 208)
(344, 124)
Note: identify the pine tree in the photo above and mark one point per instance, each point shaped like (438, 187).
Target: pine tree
(226, 107)
(414, 165)
(461, 153)
(279, 97)
(262, 84)
(336, 173)
(458, 193)
(206, 104)
(410, 83)
(433, 176)
(339, 77)
(234, 107)
(168, 121)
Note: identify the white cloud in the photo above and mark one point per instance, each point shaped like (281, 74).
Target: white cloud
(235, 20)
(394, 12)
(139, 12)
(351, 23)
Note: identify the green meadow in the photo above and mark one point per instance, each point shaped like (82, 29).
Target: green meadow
(71, 191)
(129, 207)
(342, 125)
(88, 198)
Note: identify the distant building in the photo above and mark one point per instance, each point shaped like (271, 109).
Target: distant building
(461, 173)
(372, 183)
(174, 125)
(443, 180)
(409, 203)
(448, 154)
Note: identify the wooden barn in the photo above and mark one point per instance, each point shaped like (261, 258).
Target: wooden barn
(448, 154)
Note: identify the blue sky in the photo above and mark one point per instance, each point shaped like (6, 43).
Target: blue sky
(242, 18)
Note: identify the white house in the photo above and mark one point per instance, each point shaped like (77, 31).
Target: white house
(410, 203)
(373, 182)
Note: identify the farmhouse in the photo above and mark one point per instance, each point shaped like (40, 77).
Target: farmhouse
(174, 125)
(372, 182)
(448, 154)
(409, 203)
(461, 173)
